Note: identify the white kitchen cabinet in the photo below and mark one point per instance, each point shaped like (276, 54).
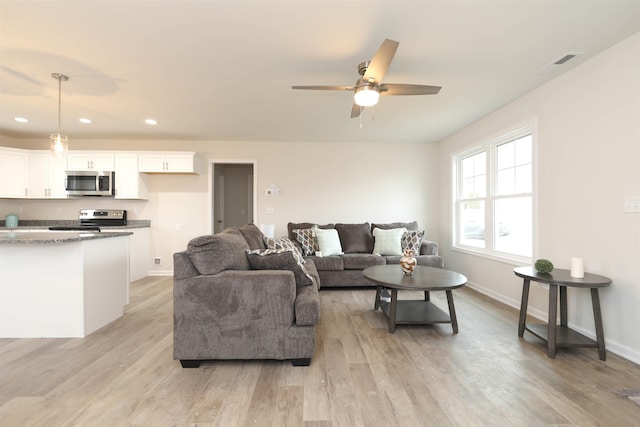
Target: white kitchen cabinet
(139, 253)
(14, 175)
(130, 184)
(90, 161)
(169, 162)
(46, 176)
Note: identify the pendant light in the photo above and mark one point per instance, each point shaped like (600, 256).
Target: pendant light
(59, 143)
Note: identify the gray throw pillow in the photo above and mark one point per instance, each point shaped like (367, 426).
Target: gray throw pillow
(253, 236)
(355, 238)
(211, 254)
(279, 259)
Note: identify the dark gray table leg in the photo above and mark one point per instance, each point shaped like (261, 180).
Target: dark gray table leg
(377, 303)
(452, 312)
(392, 311)
(563, 305)
(427, 296)
(597, 316)
(523, 307)
(553, 317)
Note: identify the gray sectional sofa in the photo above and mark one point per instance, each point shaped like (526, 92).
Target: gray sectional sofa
(231, 304)
(358, 244)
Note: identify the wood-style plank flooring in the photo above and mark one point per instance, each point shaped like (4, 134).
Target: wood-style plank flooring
(124, 374)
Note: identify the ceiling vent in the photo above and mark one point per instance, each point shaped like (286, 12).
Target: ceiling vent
(559, 62)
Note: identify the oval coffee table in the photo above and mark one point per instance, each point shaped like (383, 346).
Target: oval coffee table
(415, 312)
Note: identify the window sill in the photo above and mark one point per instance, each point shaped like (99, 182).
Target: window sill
(515, 260)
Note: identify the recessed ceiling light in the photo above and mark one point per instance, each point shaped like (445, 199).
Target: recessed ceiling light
(85, 121)
(21, 120)
(151, 122)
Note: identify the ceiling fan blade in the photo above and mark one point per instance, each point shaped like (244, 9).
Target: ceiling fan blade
(380, 61)
(324, 87)
(355, 110)
(408, 89)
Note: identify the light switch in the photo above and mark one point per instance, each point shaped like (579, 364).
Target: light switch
(632, 204)
(269, 211)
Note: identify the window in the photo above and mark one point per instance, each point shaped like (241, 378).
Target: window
(493, 197)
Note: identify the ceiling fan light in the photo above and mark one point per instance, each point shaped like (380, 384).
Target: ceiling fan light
(366, 96)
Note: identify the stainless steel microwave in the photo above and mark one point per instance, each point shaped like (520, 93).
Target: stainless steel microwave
(90, 183)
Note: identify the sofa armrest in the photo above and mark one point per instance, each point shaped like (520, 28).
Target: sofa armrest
(428, 247)
(307, 306)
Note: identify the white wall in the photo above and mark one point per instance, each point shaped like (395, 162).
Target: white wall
(320, 182)
(588, 156)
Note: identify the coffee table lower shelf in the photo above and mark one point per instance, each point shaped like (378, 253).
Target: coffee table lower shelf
(565, 337)
(415, 312)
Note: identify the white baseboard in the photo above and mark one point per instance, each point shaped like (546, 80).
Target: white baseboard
(160, 273)
(612, 346)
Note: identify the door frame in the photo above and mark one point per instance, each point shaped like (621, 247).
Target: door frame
(211, 189)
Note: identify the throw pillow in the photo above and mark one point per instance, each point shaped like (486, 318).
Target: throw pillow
(279, 259)
(253, 236)
(214, 253)
(284, 243)
(355, 238)
(411, 240)
(328, 242)
(388, 242)
(307, 239)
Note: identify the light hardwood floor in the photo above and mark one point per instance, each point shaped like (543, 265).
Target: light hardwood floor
(124, 374)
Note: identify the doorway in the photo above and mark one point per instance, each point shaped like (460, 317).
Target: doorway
(232, 194)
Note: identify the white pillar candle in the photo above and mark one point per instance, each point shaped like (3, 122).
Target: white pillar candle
(577, 268)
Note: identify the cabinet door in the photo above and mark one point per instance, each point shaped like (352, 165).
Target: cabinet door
(57, 167)
(151, 162)
(102, 162)
(179, 163)
(78, 162)
(14, 178)
(130, 184)
(38, 175)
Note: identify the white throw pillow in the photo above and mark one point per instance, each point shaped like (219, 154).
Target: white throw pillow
(388, 242)
(328, 242)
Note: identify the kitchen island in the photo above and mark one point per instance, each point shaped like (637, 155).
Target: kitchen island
(61, 284)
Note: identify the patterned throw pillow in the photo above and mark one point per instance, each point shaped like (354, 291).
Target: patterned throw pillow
(279, 259)
(307, 239)
(411, 240)
(284, 243)
(388, 242)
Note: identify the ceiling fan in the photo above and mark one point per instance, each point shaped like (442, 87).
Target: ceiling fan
(369, 87)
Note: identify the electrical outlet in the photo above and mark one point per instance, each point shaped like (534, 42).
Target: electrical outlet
(157, 261)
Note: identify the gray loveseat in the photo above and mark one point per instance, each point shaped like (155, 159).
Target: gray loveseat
(358, 244)
(224, 309)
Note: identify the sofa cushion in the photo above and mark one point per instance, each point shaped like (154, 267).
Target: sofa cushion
(303, 225)
(253, 236)
(307, 239)
(328, 242)
(355, 238)
(211, 254)
(279, 259)
(284, 243)
(411, 240)
(408, 225)
(388, 242)
(362, 261)
(325, 263)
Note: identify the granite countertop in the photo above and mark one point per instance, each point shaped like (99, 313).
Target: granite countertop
(53, 237)
(34, 224)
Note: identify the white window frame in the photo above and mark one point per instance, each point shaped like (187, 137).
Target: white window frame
(489, 146)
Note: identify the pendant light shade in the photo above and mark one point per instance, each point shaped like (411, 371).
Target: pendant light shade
(59, 143)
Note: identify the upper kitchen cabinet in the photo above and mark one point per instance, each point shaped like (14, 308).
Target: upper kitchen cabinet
(46, 176)
(90, 161)
(129, 183)
(169, 162)
(14, 173)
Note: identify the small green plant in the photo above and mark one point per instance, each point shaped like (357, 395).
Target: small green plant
(543, 266)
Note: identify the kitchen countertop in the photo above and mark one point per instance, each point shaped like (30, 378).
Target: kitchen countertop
(31, 224)
(55, 237)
